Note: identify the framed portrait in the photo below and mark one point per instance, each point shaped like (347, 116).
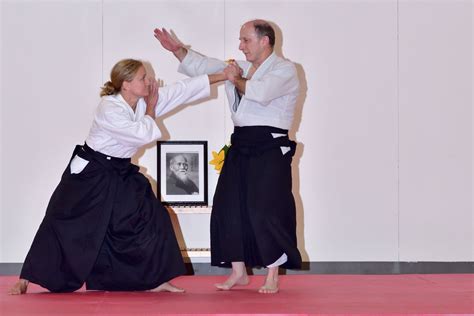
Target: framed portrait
(182, 172)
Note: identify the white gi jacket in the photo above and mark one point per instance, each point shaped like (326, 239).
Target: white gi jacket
(118, 131)
(270, 95)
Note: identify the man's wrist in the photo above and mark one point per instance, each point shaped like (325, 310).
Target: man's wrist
(236, 79)
(180, 53)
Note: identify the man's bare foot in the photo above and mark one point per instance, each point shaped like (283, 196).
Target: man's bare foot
(270, 287)
(168, 287)
(234, 279)
(237, 277)
(271, 282)
(20, 287)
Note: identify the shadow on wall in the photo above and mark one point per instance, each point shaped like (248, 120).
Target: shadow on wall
(300, 146)
(296, 163)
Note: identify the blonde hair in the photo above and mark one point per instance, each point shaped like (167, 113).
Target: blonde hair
(124, 70)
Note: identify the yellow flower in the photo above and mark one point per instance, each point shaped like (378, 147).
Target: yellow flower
(218, 158)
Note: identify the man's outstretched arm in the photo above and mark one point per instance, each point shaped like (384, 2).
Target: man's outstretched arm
(192, 63)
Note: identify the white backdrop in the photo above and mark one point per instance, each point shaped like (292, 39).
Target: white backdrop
(383, 171)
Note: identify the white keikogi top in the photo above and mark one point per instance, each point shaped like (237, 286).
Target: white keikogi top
(118, 131)
(270, 95)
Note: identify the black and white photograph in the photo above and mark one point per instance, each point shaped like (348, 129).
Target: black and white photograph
(182, 172)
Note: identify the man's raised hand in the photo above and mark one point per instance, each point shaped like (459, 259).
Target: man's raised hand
(167, 41)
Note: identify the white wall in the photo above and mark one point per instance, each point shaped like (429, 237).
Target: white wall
(383, 171)
(1, 134)
(472, 128)
(51, 74)
(348, 130)
(435, 130)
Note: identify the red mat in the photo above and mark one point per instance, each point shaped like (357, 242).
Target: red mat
(299, 294)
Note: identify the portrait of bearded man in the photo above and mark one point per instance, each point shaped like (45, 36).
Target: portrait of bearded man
(179, 181)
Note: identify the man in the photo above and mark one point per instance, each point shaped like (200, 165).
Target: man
(253, 221)
(178, 182)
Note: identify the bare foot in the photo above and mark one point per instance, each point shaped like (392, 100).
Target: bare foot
(271, 282)
(234, 279)
(270, 287)
(20, 287)
(168, 287)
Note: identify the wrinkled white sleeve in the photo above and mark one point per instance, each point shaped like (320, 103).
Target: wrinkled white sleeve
(181, 92)
(195, 64)
(116, 121)
(272, 85)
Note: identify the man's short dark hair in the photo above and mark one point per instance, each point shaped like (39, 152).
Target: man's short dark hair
(263, 28)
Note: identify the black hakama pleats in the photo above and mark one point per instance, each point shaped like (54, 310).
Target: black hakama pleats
(106, 228)
(253, 215)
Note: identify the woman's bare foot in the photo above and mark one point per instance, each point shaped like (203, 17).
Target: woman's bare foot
(271, 282)
(168, 287)
(20, 287)
(237, 277)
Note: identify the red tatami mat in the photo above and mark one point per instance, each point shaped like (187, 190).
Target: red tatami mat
(299, 294)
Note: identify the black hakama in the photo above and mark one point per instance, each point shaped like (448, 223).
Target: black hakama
(105, 227)
(253, 215)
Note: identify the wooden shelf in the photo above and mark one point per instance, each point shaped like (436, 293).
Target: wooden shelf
(196, 253)
(190, 209)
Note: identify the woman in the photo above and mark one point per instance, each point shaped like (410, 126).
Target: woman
(103, 225)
